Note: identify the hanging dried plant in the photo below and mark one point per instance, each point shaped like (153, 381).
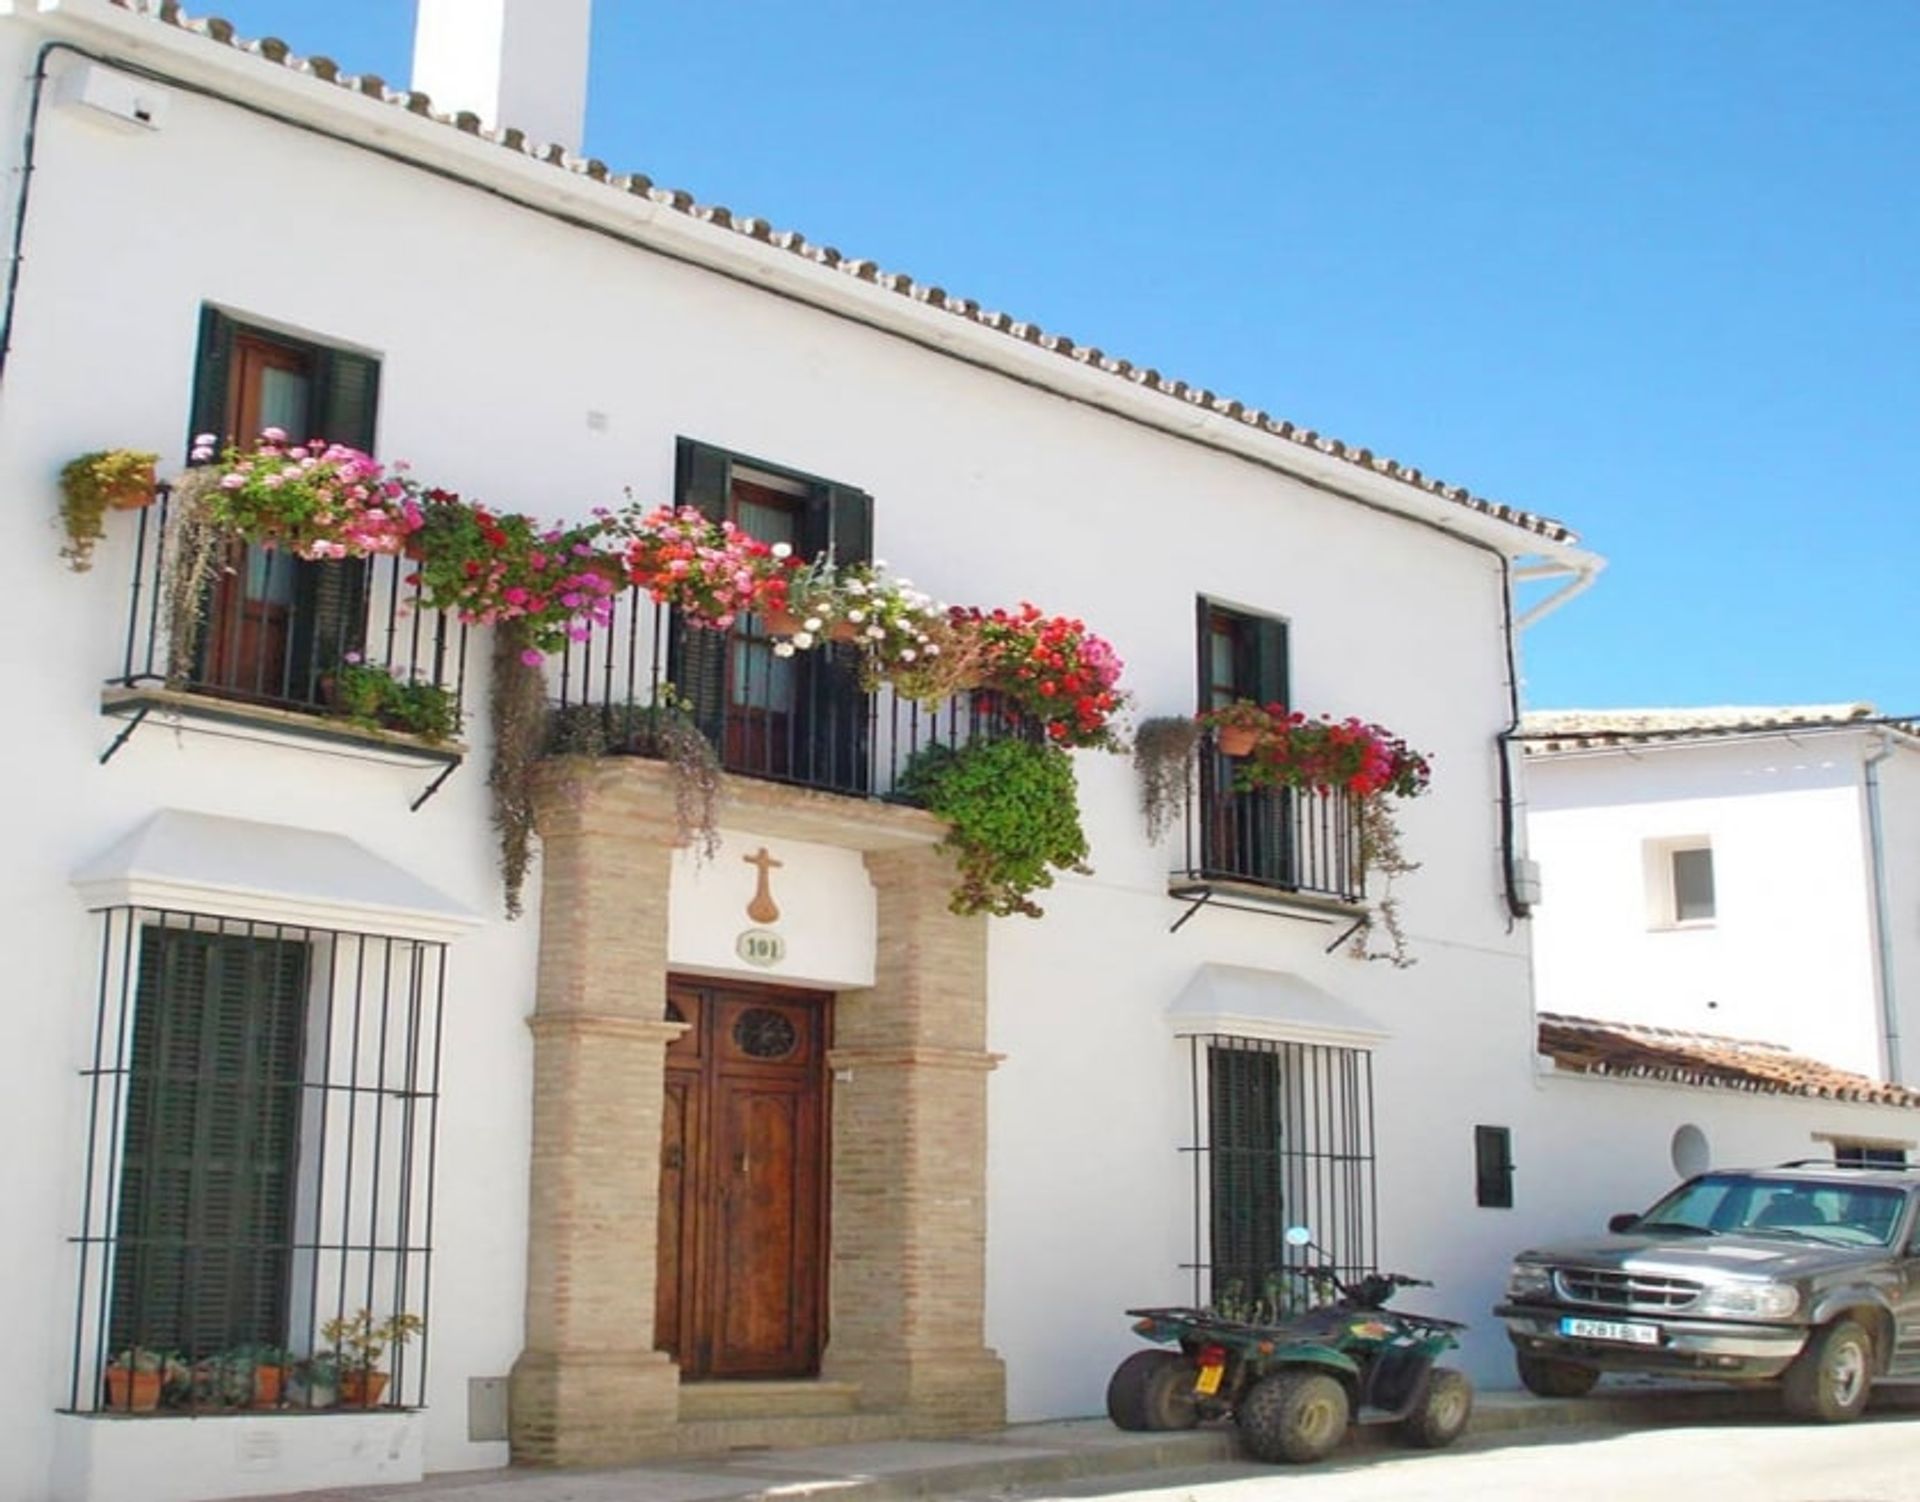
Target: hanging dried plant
(194, 544)
(1163, 759)
(519, 705)
(665, 732)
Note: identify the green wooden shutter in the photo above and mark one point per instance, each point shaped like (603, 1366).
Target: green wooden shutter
(1248, 1200)
(1267, 665)
(1269, 812)
(207, 1182)
(212, 374)
(840, 521)
(697, 658)
(330, 618)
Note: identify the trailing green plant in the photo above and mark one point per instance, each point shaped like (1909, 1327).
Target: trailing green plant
(1163, 760)
(1381, 854)
(518, 706)
(92, 484)
(665, 731)
(1013, 813)
(375, 696)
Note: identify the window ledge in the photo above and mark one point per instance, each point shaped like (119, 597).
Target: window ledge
(1200, 889)
(237, 719)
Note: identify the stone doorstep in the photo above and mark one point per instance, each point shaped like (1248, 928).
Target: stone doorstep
(702, 1401)
(1024, 1456)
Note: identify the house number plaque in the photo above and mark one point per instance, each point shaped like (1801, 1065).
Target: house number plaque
(760, 946)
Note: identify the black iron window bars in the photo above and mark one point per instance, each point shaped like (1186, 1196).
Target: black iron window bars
(257, 1226)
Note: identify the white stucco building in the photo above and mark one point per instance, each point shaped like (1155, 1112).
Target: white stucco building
(1753, 873)
(662, 1171)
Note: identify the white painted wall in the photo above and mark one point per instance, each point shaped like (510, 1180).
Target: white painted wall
(544, 368)
(1789, 955)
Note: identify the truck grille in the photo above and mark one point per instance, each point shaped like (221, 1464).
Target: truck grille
(1609, 1290)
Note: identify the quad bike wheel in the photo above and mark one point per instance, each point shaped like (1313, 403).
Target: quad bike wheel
(1828, 1381)
(1546, 1378)
(1295, 1415)
(1441, 1415)
(1153, 1390)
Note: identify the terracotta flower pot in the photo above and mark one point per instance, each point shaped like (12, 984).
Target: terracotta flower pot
(129, 1391)
(361, 1388)
(134, 494)
(843, 631)
(780, 622)
(1236, 740)
(267, 1382)
(413, 548)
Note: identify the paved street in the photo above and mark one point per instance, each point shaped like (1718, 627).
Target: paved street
(1877, 1460)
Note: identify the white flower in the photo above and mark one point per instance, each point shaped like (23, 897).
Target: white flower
(856, 616)
(907, 654)
(877, 633)
(932, 650)
(855, 587)
(783, 550)
(801, 639)
(879, 563)
(812, 623)
(783, 649)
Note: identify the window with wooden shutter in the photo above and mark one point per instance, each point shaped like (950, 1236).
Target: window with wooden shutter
(206, 1184)
(277, 624)
(1244, 836)
(801, 718)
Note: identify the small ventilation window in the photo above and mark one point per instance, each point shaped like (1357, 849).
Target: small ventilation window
(1493, 1167)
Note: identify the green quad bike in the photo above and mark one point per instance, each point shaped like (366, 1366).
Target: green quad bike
(1293, 1387)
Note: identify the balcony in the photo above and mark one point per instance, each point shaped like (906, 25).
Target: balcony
(804, 720)
(1274, 849)
(258, 648)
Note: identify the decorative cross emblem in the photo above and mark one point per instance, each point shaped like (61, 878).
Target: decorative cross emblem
(763, 909)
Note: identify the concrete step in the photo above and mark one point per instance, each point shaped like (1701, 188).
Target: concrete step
(704, 1401)
(742, 1438)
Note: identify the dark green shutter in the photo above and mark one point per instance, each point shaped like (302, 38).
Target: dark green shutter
(212, 374)
(1493, 1167)
(1269, 811)
(840, 521)
(697, 658)
(207, 1183)
(1267, 669)
(330, 619)
(346, 398)
(1248, 1199)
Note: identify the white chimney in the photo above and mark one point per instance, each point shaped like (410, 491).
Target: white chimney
(511, 62)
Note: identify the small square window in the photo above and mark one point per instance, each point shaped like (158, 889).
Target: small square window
(1693, 885)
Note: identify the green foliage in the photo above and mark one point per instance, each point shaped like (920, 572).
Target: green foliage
(1014, 817)
(92, 483)
(663, 730)
(372, 696)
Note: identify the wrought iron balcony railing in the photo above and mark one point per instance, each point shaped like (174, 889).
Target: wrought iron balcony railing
(1283, 839)
(268, 629)
(805, 719)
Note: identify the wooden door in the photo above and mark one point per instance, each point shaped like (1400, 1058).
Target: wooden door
(742, 1244)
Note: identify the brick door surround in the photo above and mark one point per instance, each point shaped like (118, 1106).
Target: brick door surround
(907, 1253)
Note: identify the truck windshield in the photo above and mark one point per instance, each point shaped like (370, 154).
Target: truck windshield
(1838, 1213)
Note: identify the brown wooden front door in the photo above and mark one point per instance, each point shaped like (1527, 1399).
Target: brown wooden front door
(742, 1252)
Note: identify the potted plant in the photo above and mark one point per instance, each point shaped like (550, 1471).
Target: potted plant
(136, 1376)
(710, 571)
(379, 698)
(315, 1381)
(665, 731)
(1238, 727)
(1051, 669)
(319, 500)
(1013, 818)
(1163, 760)
(93, 484)
(358, 1344)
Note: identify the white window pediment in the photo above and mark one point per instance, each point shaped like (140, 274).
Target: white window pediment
(270, 873)
(1245, 1002)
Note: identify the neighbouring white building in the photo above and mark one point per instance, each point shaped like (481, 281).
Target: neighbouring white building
(769, 1148)
(1747, 872)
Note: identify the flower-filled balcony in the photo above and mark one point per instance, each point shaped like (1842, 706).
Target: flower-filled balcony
(291, 617)
(1284, 811)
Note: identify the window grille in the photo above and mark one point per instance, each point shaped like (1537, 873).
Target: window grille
(1283, 1135)
(262, 1108)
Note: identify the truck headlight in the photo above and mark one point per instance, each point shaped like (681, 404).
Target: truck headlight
(1750, 1300)
(1529, 1280)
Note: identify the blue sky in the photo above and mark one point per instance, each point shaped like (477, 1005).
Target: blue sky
(1651, 268)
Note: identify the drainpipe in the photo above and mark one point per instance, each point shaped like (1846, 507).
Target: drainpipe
(1883, 935)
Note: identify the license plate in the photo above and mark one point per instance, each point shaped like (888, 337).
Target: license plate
(1208, 1382)
(1607, 1329)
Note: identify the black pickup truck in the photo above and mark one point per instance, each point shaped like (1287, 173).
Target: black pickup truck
(1806, 1275)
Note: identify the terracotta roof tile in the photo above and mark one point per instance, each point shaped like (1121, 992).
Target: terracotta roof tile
(216, 30)
(1633, 1051)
